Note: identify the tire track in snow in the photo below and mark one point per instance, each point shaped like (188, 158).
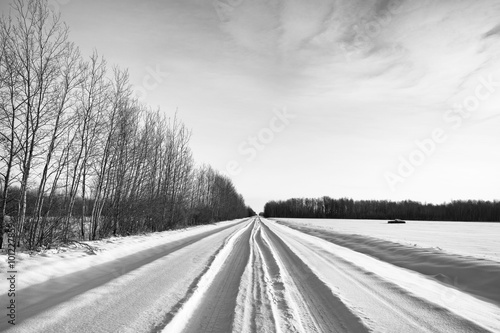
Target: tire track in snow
(282, 313)
(317, 308)
(260, 285)
(257, 305)
(211, 307)
(171, 314)
(41, 297)
(261, 305)
(468, 274)
(385, 306)
(269, 278)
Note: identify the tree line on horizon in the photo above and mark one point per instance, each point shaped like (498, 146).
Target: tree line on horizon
(345, 208)
(80, 156)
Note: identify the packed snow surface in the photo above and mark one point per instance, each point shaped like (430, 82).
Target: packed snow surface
(472, 274)
(257, 275)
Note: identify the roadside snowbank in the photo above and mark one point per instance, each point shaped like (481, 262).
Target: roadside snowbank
(476, 239)
(50, 264)
(117, 296)
(317, 254)
(475, 276)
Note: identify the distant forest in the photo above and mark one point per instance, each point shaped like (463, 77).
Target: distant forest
(80, 156)
(326, 207)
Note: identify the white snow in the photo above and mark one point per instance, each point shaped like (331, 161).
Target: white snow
(130, 302)
(244, 300)
(299, 318)
(474, 275)
(385, 297)
(256, 282)
(311, 248)
(54, 263)
(182, 317)
(477, 239)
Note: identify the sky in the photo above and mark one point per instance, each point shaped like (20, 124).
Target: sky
(367, 99)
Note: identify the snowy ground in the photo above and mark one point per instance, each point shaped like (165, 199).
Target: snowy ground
(66, 260)
(251, 275)
(444, 253)
(477, 239)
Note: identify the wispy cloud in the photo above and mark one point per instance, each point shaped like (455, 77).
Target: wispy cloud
(365, 79)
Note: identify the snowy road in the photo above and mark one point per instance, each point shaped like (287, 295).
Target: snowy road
(252, 276)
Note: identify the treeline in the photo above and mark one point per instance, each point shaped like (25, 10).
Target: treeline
(326, 207)
(80, 157)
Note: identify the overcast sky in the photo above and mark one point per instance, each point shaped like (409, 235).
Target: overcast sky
(305, 98)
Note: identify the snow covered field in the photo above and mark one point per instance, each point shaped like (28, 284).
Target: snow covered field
(481, 240)
(255, 275)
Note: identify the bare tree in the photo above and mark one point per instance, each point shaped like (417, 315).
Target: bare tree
(126, 129)
(69, 78)
(104, 163)
(8, 119)
(78, 146)
(35, 43)
(93, 99)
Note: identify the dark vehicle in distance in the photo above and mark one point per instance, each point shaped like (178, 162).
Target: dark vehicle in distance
(396, 221)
